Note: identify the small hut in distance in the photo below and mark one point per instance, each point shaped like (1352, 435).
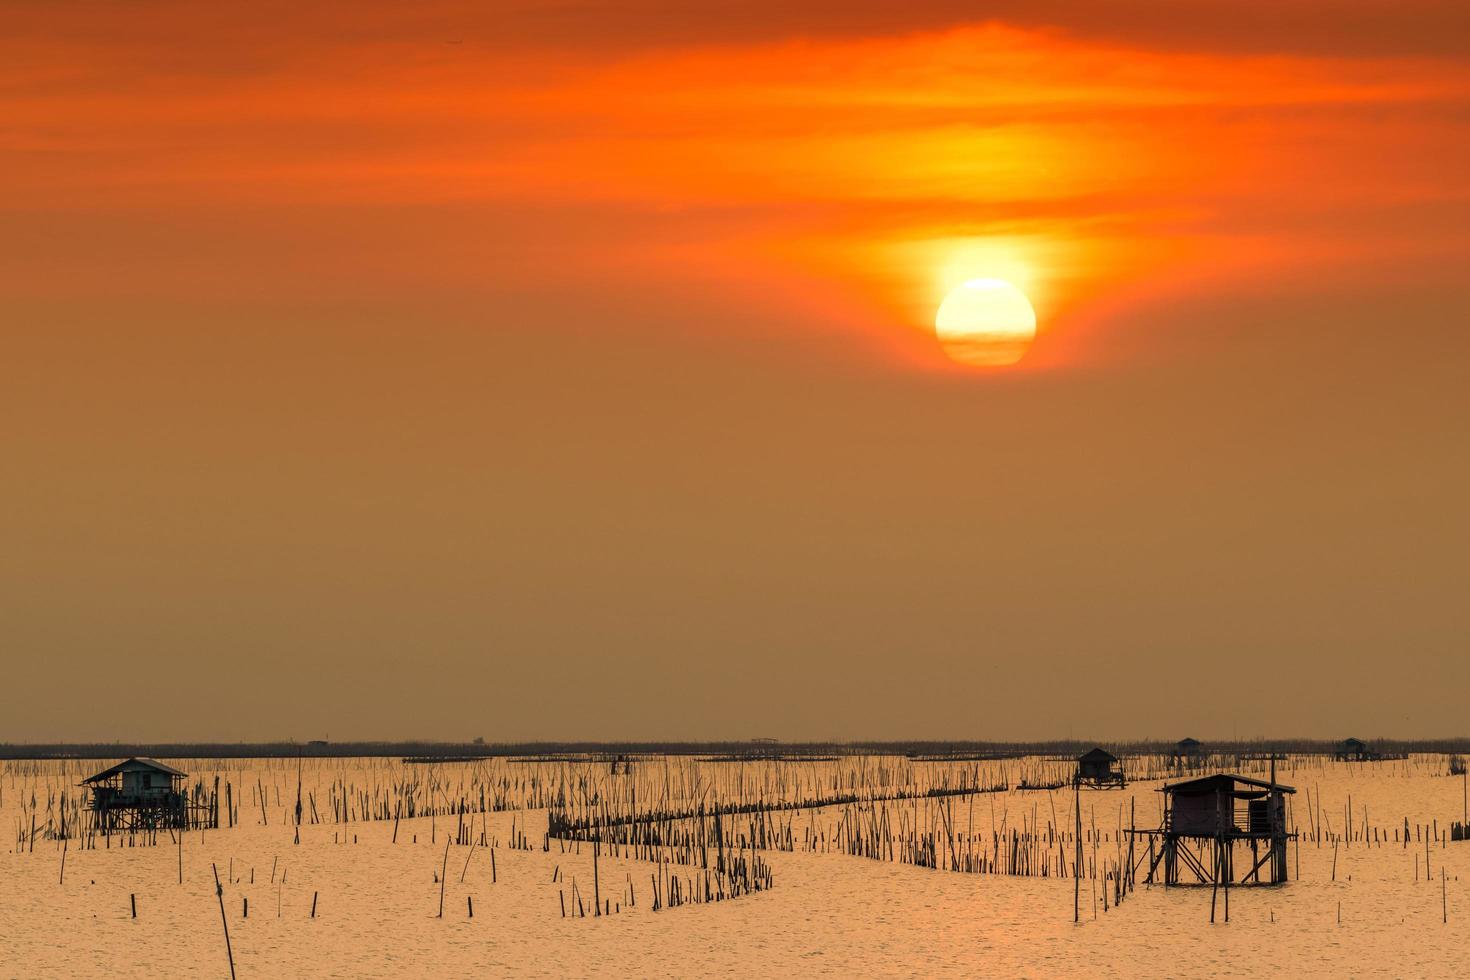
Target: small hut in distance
(1354, 750)
(1096, 768)
(1186, 752)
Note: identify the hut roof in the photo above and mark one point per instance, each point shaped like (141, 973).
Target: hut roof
(1097, 755)
(1187, 743)
(1224, 782)
(133, 765)
(1353, 741)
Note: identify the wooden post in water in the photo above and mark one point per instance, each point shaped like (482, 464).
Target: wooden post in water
(1077, 857)
(466, 867)
(442, 876)
(1215, 883)
(1228, 872)
(219, 893)
(1132, 826)
(297, 839)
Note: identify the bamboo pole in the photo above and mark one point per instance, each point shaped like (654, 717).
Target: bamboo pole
(219, 893)
(1077, 857)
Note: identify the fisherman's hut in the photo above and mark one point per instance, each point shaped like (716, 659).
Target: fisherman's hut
(1204, 820)
(142, 793)
(1099, 768)
(1186, 752)
(1354, 750)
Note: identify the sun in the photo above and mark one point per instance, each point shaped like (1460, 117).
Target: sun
(985, 323)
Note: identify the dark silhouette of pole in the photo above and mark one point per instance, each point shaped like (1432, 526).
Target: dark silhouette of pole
(444, 868)
(219, 893)
(299, 754)
(1077, 859)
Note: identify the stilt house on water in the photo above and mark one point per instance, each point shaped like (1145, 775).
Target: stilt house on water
(1099, 768)
(141, 793)
(1354, 750)
(1205, 818)
(1186, 752)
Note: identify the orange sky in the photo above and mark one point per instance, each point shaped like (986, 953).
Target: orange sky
(883, 165)
(420, 258)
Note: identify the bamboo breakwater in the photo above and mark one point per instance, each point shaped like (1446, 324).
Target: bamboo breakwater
(921, 831)
(716, 874)
(609, 828)
(934, 838)
(737, 867)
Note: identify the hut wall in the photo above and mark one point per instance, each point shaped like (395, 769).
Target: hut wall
(145, 782)
(1199, 814)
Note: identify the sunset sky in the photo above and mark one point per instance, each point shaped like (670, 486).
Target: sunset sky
(546, 370)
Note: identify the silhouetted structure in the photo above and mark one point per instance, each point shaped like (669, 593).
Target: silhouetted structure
(1099, 768)
(1354, 750)
(141, 793)
(1205, 818)
(1187, 752)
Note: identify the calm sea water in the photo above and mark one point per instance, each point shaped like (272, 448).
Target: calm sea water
(827, 914)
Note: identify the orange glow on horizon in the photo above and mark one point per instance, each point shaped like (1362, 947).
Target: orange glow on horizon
(886, 168)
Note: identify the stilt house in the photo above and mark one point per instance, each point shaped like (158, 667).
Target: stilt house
(1186, 752)
(1204, 821)
(1099, 768)
(1354, 750)
(142, 793)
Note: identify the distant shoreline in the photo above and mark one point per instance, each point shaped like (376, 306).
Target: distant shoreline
(724, 750)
